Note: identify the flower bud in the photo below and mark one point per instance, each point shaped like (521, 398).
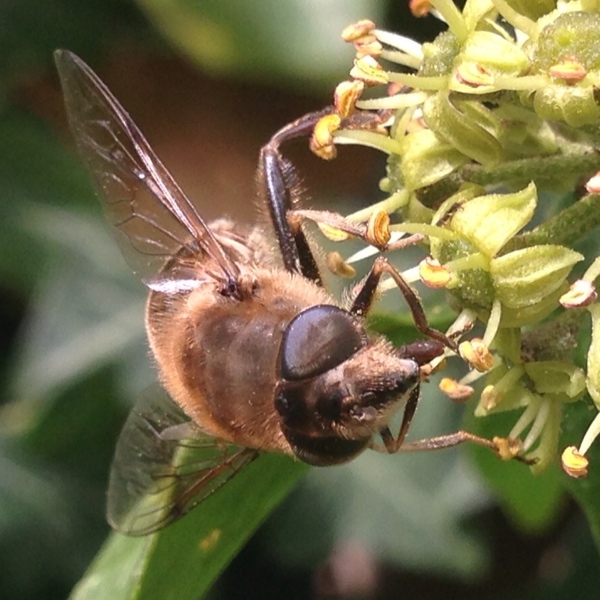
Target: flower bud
(472, 288)
(495, 52)
(533, 9)
(440, 55)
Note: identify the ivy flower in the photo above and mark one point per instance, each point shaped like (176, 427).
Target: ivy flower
(483, 127)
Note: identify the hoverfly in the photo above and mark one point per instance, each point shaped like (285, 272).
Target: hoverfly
(254, 354)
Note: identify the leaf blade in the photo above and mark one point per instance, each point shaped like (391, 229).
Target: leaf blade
(182, 561)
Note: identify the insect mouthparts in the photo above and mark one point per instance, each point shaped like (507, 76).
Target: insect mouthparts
(231, 289)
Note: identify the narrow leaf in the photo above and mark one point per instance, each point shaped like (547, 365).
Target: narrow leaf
(182, 561)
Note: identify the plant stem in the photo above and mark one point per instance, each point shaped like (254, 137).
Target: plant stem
(539, 169)
(565, 228)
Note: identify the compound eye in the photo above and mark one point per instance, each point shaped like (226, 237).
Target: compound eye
(318, 339)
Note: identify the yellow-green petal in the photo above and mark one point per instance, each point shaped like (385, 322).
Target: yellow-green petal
(556, 377)
(488, 222)
(525, 277)
(593, 359)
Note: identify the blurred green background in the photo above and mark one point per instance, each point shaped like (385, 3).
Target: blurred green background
(209, 81)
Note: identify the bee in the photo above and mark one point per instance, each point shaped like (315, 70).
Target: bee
(253, 354)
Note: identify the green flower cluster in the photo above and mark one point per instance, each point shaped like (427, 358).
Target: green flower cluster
(488, 125)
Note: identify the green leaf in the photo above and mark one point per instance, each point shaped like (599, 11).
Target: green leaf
(182, 561)
(87, 312)
(263, 38)
(31, 31)
(36, 171)
(392, 505)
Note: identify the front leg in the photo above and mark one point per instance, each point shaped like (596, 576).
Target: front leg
(280, 189)
(392, 444)
(366, 295)
(502, 447)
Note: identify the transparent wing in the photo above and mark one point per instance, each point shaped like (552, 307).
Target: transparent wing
(153, 216)
(164, 466)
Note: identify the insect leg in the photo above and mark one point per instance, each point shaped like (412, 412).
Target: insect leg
(392, 445)
(279, 185)
(366, 295)
(505, 448)
(442, 442)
